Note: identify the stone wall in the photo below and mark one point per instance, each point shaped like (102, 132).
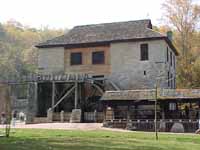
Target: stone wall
(127, 70)
(32, 103)
(51, 60)
(122, 63)
(19, 105)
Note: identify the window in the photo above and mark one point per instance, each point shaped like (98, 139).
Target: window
(145, 73)
(172, 106)
(76, 58)
(171, 80)
(171, 58)
(174, 61)
(174, 82)
(98, 57)
(167, 54)
(144, 55)
(168, 80)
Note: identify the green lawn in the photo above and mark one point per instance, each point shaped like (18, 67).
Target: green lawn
(35, 139)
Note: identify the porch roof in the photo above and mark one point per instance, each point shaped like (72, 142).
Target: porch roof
(150, 94)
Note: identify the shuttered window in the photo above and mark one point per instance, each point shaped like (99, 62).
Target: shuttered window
(144, 52)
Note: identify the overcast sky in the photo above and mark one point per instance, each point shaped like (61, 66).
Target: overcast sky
(68, 13)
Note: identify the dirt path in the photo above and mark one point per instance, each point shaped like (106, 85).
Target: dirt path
(66, 126)
(75, 126)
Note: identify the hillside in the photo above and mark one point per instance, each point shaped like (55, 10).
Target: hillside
(17, 52)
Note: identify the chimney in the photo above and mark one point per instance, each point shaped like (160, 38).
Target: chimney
(170, 35)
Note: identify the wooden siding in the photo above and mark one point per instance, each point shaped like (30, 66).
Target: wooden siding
(87, 66)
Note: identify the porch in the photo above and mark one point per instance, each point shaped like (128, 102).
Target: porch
(175, 110)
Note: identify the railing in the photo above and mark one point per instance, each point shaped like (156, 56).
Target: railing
(189, 125)
(93, 117)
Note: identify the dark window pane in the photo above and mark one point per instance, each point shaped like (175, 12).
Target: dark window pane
(174, 62)
(174, 82)
(171, 58)
(144, 52)
(167, 54)
(145, 73)
(98, 57)
(168, 80)
(76, 58)
(171, 80)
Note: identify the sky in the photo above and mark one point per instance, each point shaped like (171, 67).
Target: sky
(69, 13)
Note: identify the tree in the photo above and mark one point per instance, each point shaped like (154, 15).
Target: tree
(183, 16)
(18, 56)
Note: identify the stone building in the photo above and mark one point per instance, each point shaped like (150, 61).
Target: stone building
(111, 72)
(131, 52)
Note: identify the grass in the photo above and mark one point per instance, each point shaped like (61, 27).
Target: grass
(37, 139)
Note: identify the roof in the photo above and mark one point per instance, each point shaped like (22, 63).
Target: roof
(129, 95)
(163, 94)
(107, 32)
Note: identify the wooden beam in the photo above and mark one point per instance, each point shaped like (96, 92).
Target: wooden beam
(53, 96)
(67, 94)
(114, 85)
(98, 88)
(36, 96)
(76, 95)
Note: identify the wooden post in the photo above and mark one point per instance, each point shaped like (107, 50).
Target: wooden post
(53, 96)
(128, 113)
(76, 95)
(36, 96)
(156, 93)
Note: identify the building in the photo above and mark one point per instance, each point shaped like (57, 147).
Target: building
(131, 52)
(114, 71)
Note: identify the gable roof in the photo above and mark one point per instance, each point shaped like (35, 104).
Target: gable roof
(106, 33)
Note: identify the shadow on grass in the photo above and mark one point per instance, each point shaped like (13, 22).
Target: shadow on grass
(71, 143)
(95, 140)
